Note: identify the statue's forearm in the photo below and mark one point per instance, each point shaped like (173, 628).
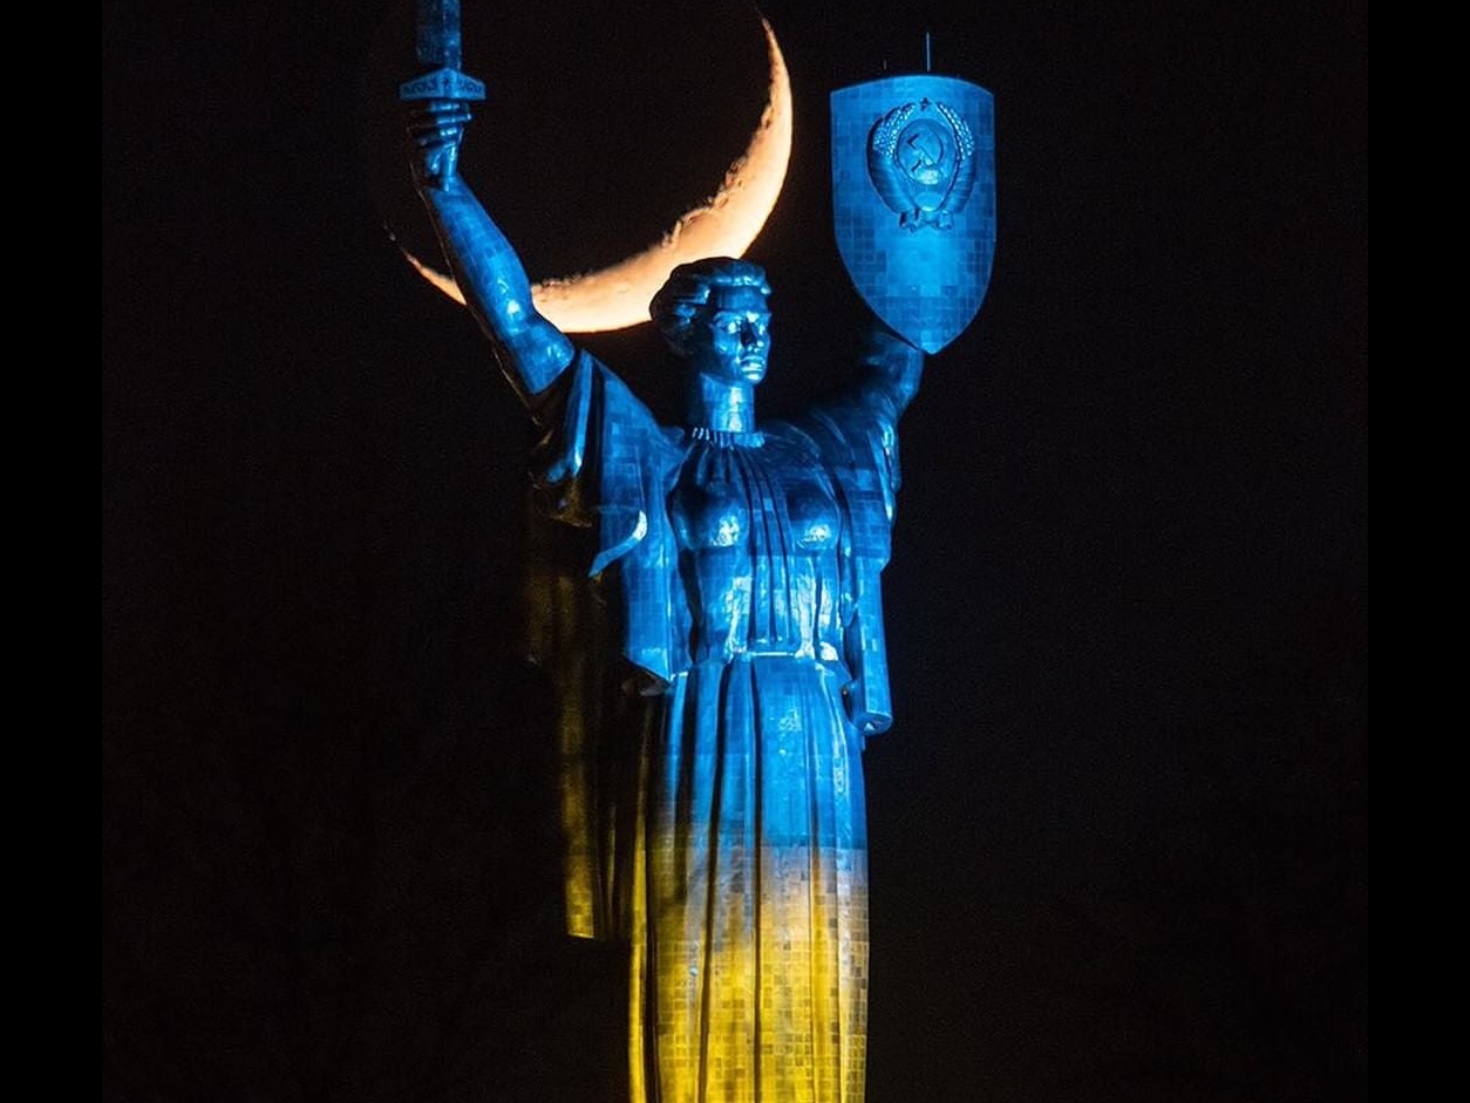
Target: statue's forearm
(531, 351)
(888, 362)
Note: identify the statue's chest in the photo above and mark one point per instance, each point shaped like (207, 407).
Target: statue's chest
(771, 501)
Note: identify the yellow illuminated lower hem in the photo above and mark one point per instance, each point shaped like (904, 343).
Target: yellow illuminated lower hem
(754, 991)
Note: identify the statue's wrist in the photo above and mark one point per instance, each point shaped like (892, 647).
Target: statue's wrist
(449, 183)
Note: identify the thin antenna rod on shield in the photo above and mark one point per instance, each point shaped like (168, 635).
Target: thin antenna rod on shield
(928, 67)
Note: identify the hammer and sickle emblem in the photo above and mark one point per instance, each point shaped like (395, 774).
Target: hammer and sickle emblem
(921, 159)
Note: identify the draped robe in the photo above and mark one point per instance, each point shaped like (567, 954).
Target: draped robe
(717, 642)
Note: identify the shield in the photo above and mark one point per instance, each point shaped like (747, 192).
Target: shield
(913, 200)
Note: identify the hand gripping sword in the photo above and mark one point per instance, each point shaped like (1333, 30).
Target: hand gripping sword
(437, 49)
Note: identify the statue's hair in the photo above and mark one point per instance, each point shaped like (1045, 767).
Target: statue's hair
(688, 289)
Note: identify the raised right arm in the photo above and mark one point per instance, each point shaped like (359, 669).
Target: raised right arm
(530, 350)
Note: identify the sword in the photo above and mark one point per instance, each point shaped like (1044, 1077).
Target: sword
(437, 49)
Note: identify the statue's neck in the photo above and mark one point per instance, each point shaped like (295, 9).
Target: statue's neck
(721, 405)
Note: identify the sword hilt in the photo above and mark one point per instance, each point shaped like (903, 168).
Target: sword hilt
(442, 84)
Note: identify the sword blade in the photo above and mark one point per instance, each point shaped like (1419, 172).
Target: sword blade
(438, 43)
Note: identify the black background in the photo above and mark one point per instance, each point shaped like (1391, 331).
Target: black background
(1119, 829)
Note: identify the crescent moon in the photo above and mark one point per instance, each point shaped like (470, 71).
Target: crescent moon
(617, 297)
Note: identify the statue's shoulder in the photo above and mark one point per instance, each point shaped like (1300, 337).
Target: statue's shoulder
(837, 429)
(792, 434)
(597, 394)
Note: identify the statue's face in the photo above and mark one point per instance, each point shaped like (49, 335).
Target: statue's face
(730, 337)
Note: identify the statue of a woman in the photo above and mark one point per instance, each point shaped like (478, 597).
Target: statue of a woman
(715, 808)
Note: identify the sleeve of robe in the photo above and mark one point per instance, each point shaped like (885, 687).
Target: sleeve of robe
(856, 431)
(603, 620)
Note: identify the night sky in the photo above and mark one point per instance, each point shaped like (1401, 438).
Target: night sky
(1119, 829)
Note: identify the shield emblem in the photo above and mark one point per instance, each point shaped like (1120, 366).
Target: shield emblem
(913, 200)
